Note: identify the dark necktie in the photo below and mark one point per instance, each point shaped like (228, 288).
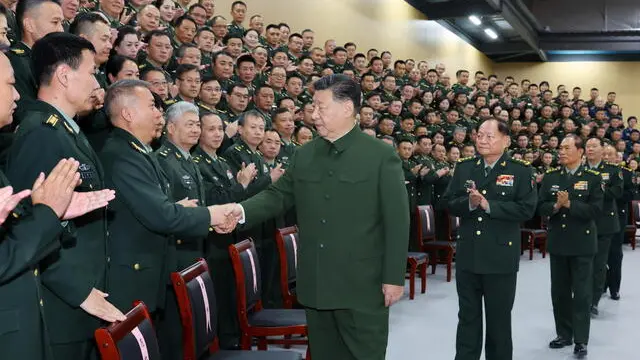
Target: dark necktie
(487, 170)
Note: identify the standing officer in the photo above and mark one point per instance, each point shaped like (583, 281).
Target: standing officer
(29, 235)
(74, 276)
(571, 196)
(351, 202)
(492, 194)
(608, 223)
(614, 274)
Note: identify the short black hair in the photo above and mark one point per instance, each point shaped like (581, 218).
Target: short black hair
(339, 49)
(196, 5)
(254, 113)
(183, 49)
(155, 33)
(83, 22)
(235, 3)
(245, 58)
(115, 63)
(184, 18)
(122, 32)
(226, 38)
(24, 6)
(342, 87)
(56, 49)
(235, 85)
(279, 111)
(294, 35)
(185, 68)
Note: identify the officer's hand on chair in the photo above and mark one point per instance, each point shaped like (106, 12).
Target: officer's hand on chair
(97, 305)
(392, 293)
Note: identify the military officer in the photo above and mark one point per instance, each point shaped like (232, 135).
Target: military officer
(351, 247)
(422, 156)
(284, 125)
(614, 273)
(74, 276)
(491, 194)
(145, 218)
(571, 196)
(29, 235)
(608, 223)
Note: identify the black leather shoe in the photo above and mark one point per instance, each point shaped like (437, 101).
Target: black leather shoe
(615, 296)
(594, 311)
(580, 351)
(559, 343)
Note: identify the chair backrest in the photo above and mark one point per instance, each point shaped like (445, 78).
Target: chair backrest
(288, 244)
(197, 303)
(635, 211)
(454, 225)
(131, 339)
(246, 268)
(426, 223)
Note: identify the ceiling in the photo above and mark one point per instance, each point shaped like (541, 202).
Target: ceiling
(543, 30)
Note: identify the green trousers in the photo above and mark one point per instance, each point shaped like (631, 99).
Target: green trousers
(81, 350)
(614, 273)
(600, 267)
(498, 292)
(571, 283)
(348, 334)
(225, 289)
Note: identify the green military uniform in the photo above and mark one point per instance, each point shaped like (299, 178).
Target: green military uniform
(222, 188)
(25, 239)
(614, 262)
(572, 245)
(13, 34)
(488, 250)
(20, 58)
(114, 23)
(425, 183)
(286, 152)
(46, 136)
(350, 244)
(411, 183)
(607, 223)
(461, 89)
(235, 29)
(185, 181)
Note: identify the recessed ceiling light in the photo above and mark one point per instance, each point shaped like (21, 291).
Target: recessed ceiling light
(490, 33)
(475, 20)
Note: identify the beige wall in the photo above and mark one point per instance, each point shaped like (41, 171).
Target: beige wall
(383, 24)
(606, 76)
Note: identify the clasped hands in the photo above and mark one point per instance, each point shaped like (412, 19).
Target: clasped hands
(562, 200)
(476, 199)
(225, 218)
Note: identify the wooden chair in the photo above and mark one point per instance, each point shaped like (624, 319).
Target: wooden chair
(255, 321)
(131, 339)
(534, 233)
(429, 244)
(630, 229)
(196, 301)
(288, 245)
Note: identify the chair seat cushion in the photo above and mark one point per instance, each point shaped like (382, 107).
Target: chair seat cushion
(256, 355)
(440, 244)
(537, 232)
(418, 255)
(278, 317)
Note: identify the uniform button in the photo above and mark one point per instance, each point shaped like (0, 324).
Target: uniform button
(502, 193)
(484, 192)
(323, 221)
(510, 243)
(321, 246)
(480, 219)
(108, 259)
(564, 226)
(41, 302)
(35, 272)
(136, 266)
(588, 232)
(108, 234)
(612, 213)
(564, 215)
(478, 232)
(330, 173)
(579, 195)
(179, 242)
(623, 210)
(326, 196)
(90, 186)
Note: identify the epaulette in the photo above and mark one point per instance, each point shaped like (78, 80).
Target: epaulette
(238, 147)
(592, 171)
(613, 164)
(53, 120)
(142, 66)
(170, 102)
(522, 162)
(137, 147)
(206, 107)
(163, 152)
(222, 159)
(626, 168)
(553, 170)
(18, 51)
(197, 159)
(466, 159)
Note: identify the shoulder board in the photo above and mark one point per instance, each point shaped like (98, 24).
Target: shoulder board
(205, 107)
(522, 162)
(626, 168)
(197, 159)
(17, 51)
(222, 159)
(552, 170)
(238, 147)
(137, 147)
(613, 164)
(163, 152)
(170, 102)
(592, 172)
(466, 159)
(53, 120)
(142, 66)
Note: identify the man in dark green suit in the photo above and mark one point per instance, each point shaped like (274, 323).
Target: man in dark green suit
(28, 236)
(571, 196)
(608, 223)
(145, 220)
(74, 276)
(351, 203)
(491, 194)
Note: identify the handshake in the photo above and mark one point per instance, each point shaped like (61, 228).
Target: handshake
(224, 218)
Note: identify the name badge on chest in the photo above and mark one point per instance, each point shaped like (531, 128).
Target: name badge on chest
(229, 175)
(187, 180)
(505, 180)
(581, 185)
(605, 176)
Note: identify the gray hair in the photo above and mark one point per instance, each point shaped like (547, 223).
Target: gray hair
(177, 110)
(118, 93)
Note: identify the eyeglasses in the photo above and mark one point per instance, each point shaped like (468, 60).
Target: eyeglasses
(158, 83)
